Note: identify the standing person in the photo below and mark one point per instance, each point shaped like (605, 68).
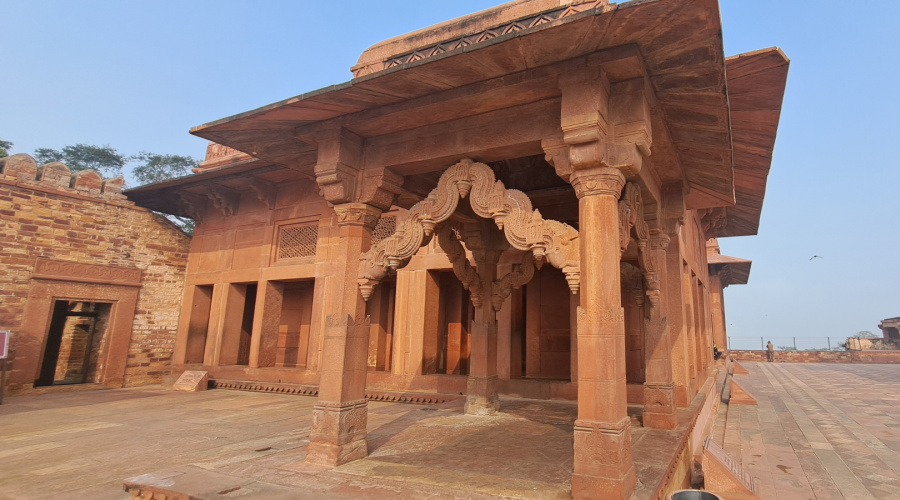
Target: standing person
(770, 352)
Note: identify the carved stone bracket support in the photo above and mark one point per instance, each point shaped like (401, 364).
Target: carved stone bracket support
(194, 205)
(631, 217)
(224, 199)
(713, 221)
(448, 239)
(521, 274)
(523, 227)
(265, 191)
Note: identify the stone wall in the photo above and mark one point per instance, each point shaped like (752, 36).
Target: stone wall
(47, 212)
(820, 356)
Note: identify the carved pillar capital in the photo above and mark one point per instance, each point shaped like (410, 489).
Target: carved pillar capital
(357, 214)
(659, 241)
(598, 181)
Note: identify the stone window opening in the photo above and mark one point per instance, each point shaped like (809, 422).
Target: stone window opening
(75, 343)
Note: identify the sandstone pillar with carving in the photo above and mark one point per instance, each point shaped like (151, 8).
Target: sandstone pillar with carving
(486, 244)
(659, 386)
(338, 433)
(603, 465)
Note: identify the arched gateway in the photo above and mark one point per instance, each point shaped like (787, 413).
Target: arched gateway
(522, 228)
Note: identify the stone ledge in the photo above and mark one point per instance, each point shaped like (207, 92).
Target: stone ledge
(311, 390)
(194, 483)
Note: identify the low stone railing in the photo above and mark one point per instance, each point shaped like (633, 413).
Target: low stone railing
(820, 356)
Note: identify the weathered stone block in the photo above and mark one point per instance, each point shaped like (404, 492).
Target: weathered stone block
(55, 174)
(192, 381)
(20, 167)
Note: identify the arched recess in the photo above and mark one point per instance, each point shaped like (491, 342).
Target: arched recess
(524, 228)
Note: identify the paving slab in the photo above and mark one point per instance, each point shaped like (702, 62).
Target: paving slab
(820, 430)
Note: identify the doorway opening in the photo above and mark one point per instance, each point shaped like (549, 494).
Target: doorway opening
(75, 343)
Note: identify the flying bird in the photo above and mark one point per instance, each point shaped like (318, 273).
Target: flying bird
(816, 257)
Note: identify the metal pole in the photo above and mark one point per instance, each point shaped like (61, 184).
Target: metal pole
(762, 345)
(795, 343)
(829, 343)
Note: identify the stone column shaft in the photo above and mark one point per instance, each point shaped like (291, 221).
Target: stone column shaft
(603, 465)
(338, 433)
(481, 391)
(659, 386)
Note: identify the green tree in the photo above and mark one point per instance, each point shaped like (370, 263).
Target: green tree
(145, 167)
(157, 168)
(104, 159)
(5, 146)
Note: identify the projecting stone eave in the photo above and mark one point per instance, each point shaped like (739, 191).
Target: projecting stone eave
(756, 85)
(678, 42)
(731, 270)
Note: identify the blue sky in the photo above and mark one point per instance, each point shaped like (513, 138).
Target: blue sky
(138, 75)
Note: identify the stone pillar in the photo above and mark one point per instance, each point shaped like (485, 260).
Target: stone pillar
(338, 433)
(603, 465)
(416, 323)
(456, 320)
(266, 320)
(676, 309)
(717, 311)
(659, 386)
(481, 391)
(487, 243)
(574, 301)
(533, 328)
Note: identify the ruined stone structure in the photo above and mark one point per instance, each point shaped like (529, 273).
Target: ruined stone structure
(514, 202)
(890, 328)
(90, 284)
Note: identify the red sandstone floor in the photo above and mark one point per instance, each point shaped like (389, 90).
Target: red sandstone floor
(823, 431)
(84, 444)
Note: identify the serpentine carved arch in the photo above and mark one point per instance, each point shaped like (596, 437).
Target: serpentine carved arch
(510, 209)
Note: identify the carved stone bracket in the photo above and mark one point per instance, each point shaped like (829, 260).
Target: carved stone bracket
(510, 209)
(224, 199)
(194, 205)
(713, 221)
(631, 217)
(521, 274)
(265, 191)
(448, 239)
(556, 152)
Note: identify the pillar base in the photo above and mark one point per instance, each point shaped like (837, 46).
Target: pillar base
(338, 433)
(659, 406)
(604, 468)
(481, 398)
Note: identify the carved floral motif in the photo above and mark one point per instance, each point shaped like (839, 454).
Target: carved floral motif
(510, 209)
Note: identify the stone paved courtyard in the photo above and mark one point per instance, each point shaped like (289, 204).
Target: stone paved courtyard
(84, 444)
(823, 431)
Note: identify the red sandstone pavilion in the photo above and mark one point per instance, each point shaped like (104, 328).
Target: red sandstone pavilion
(522, 201)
